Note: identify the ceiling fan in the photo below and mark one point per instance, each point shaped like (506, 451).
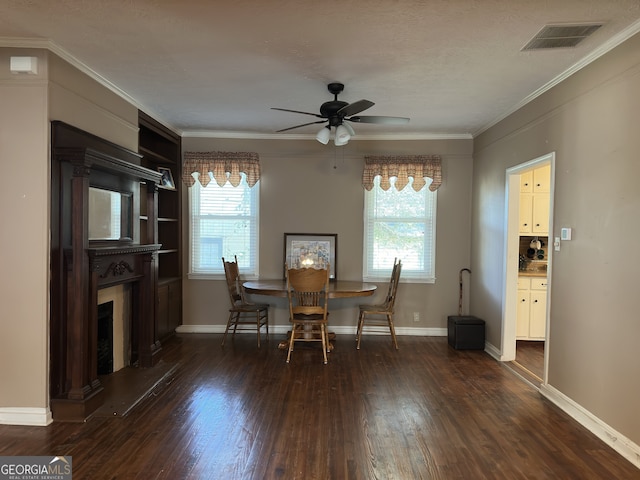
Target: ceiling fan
(337, 113)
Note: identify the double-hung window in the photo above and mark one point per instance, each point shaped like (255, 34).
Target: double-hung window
(224, 222)
(399, 224)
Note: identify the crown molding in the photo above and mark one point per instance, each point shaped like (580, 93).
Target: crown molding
(309, 136)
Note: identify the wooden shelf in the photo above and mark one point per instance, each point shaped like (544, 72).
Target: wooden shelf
(155, 157)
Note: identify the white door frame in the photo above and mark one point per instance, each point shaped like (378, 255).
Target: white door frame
(511, 248)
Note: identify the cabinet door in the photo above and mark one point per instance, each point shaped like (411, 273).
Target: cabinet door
(542, 179)
(538, 315)
(526, 213)
(522, 323)
(175, 305)
(526, 182)
(540, 214)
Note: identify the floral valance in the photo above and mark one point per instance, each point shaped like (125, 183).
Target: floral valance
(403, 167)
(224, 166)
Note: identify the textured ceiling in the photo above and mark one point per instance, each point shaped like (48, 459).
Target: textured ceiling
(454, 67)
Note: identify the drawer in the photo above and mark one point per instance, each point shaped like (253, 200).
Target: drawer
(524, 283)
(538, 283)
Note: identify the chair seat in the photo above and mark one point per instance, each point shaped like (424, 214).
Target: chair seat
(314, 319)
(249, 307)
(374, 308)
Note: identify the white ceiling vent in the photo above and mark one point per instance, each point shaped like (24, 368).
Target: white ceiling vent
(561, 36)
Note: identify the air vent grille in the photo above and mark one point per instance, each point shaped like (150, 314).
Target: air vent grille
(561, 36)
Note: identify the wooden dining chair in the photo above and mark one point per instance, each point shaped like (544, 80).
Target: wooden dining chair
(307, 291)
(241, 312)
(382, 314)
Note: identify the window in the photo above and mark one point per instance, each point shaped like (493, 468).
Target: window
(223, 223)
(399, 224)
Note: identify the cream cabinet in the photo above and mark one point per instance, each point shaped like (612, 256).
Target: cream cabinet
(532, 308)
(542, 179)
(526, 182)
(534, 202)
(540, 214)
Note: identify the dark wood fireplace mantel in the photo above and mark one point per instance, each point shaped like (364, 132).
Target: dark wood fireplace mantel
(111, 266)
(79, 267)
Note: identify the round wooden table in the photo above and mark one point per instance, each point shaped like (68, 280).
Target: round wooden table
(337, 289)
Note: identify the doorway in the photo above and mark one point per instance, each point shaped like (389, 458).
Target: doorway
(527, 284)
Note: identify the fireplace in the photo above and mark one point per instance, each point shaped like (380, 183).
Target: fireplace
(119, 296)
(105, 338)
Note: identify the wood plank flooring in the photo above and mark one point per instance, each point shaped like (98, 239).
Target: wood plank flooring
(425, 411)
(530, 355)
(529, 362)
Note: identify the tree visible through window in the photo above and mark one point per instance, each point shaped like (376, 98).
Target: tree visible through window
(399, 224)
(224, 223)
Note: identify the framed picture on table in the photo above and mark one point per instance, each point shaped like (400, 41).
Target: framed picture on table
(311, 250)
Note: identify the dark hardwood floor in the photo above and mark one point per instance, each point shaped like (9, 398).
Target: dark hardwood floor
(425, 411)
(529, 361)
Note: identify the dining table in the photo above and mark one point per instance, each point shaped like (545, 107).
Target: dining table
(337, 289)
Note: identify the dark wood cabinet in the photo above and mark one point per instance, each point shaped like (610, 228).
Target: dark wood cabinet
(161, 149)
(169, 308)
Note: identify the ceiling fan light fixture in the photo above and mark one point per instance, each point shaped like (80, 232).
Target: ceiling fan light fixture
(323, 135)
(342, 135)
(337, 113)
(349, 129)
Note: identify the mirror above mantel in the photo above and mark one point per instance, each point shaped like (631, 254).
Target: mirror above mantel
(110, 215)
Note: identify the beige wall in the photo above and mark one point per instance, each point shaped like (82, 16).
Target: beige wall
(591, 123)
(301, 192)
(24, 237)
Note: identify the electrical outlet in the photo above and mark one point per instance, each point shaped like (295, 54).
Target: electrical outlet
(416, 316)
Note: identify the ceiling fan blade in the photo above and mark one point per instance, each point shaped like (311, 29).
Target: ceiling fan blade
(380, 119)
(297, 111)
(355, 107)
(298, 126)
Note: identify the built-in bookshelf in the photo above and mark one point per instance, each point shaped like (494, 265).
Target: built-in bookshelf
(161, 149)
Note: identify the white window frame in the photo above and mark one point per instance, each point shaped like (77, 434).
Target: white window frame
(248, 266)
(409, 274)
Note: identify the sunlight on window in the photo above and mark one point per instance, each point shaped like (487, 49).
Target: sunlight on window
(399, 224)
(224, 223)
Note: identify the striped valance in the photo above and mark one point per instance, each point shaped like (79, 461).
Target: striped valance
(223, 166)
(417, 166)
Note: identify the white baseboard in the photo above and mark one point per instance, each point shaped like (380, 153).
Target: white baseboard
(202, 329)
(493, 351)
(604, 432)
(338, 329)
(40, 417)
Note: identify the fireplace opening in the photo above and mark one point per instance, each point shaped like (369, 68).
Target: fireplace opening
(105, 338)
